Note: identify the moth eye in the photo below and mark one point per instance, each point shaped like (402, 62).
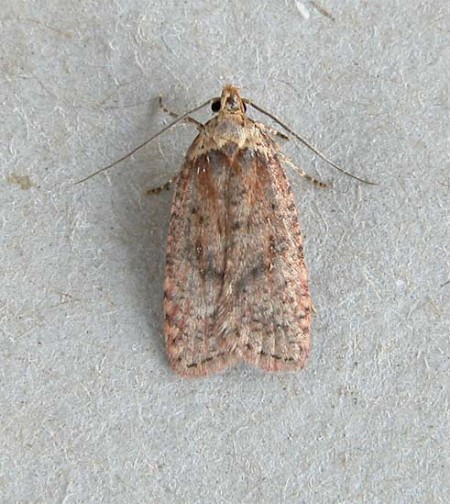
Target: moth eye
(215, 106)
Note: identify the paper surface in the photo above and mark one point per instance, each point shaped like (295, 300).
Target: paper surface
(90, 411)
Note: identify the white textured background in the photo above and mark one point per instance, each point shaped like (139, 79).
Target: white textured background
(90, 411)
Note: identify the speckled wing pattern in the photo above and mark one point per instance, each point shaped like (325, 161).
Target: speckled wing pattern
(236, 283)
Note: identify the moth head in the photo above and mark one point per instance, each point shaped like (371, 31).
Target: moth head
(230, 101)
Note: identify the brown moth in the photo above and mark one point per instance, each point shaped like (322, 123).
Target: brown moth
(236, 285)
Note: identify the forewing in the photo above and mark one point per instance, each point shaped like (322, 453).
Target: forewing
(265, 292)
(195, 266)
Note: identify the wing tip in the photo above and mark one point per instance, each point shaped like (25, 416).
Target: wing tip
(276, 363)
(212, 365)
(202, 368)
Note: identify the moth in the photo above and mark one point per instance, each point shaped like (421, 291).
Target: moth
(236, 282)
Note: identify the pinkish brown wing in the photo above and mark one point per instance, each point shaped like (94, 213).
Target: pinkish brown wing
(236, 283)
(195, 262)
(265, 306)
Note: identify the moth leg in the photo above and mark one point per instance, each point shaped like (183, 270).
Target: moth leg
(302, 173)
(187, 119)
(158, 189)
